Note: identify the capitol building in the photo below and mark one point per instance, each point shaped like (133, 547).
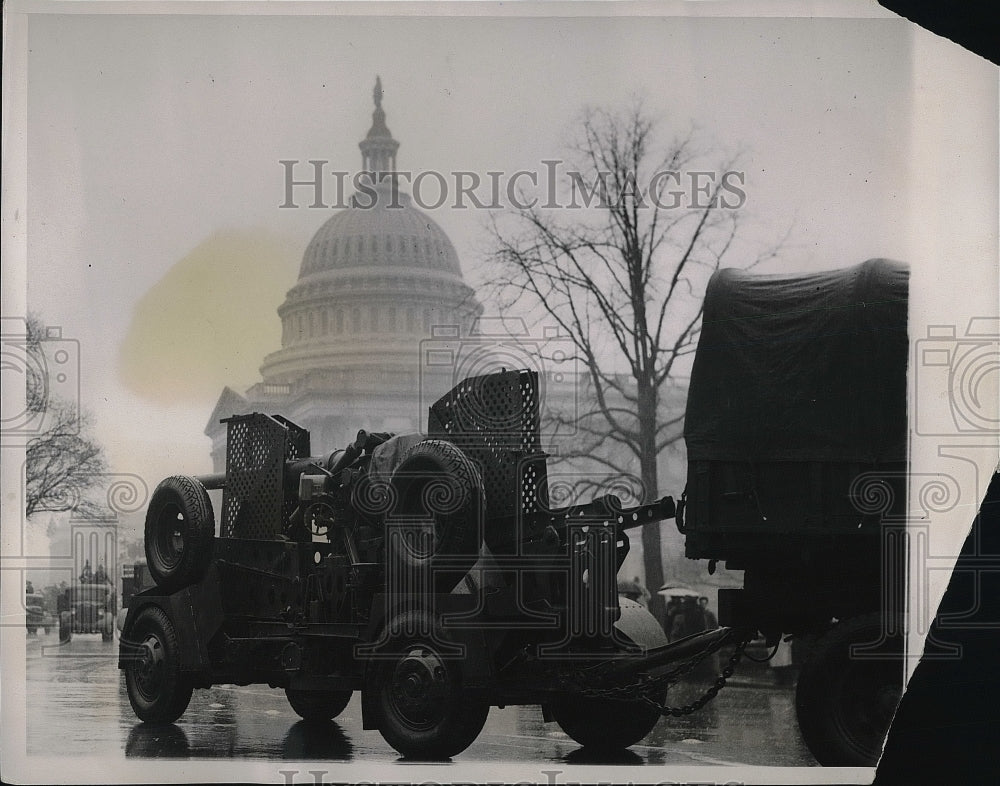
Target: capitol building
(377, 280)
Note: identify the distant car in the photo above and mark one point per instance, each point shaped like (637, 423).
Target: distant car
(37, 616)
(87, 608)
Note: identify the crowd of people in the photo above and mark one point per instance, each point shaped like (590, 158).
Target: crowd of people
(686, 612)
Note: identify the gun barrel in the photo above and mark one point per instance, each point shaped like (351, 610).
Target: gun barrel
(662, 509)
(216, 481)
(711, 640)
(609, 508)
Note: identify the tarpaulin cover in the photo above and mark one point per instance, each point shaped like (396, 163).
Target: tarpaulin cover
(802, 368)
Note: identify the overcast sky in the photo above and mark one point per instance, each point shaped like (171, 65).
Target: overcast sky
(154, 179)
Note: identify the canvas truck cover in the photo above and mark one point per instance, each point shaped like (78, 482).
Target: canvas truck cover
(802, 368)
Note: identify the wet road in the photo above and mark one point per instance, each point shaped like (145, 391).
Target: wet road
(77, 696)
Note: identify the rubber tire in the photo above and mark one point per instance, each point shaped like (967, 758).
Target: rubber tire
(183, 499)
(107, 636)
(603, 725)
(47, 630)
(32, 630)
(457, 530)
(313, 705)
(837, 698)
(463, 718)
(174, 693)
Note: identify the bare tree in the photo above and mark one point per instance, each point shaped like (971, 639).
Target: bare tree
(622, 270)
(63, 462)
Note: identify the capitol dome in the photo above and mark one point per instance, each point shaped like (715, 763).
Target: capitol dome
(389, 233)
(378, 280)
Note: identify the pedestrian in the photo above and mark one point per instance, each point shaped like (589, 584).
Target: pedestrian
(712, 662)
(673, 622)
(643, 592)
(711, 621)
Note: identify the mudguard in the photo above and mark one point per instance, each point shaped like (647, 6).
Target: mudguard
(639, 626)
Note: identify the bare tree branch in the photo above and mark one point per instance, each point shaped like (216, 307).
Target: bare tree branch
(624, 281)
(62, 463)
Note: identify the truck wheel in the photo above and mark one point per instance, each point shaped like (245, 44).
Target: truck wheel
(603, 725)
(65, 627)
(845, 704)
(180, 526)
(439, 498)
(314, 705)
(157, 690)
(421, 708)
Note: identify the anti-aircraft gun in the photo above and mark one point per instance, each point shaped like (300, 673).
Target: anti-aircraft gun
(429, 573)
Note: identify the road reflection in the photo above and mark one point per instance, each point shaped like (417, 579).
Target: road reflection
(77, 696)
(581, 756)
(146, 741)
(317, 741)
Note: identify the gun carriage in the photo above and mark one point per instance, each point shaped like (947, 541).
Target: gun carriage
(430, 574)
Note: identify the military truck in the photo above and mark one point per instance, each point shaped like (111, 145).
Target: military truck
(429, 573)
(87, 607)
(36, 615)
(796, 436)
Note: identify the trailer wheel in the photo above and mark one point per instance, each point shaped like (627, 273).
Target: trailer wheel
(180, 526)
(438, 515)
(157, 690)
(421, 708)
(603, 725)
(314, 705)
(845, 704)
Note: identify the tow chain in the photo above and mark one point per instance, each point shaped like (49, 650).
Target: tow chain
(649, 687)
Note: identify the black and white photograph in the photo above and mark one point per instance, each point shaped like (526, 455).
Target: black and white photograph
(492, 392)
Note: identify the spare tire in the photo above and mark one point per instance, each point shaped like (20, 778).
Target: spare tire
(180, 527)
(435, 525)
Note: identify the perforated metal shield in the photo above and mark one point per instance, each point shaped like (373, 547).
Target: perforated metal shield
(494, 420)
(255, 502)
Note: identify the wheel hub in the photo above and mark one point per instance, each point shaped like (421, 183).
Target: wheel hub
(419, 688)
(149, 666)
(171, 541)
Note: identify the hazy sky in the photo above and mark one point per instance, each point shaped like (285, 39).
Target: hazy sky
(155, 236)
(152, 136)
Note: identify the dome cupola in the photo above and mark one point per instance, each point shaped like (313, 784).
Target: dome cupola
(378, 272)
